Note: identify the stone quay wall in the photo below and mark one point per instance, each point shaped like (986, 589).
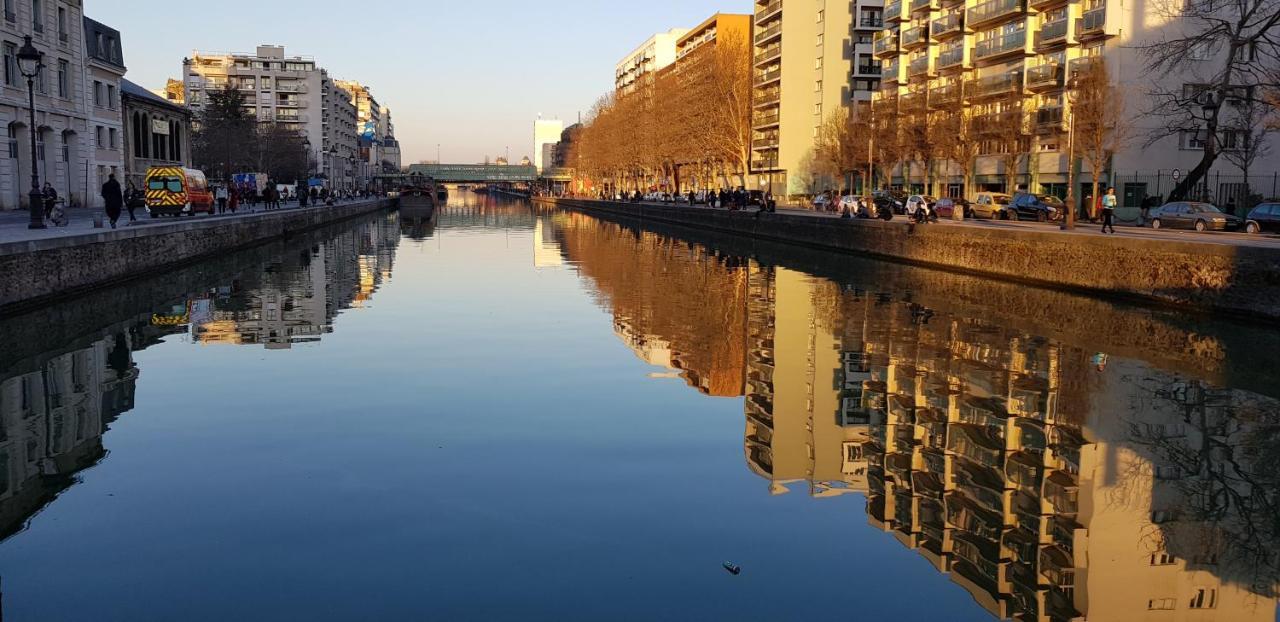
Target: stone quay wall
(39, 271)
(1241, 281)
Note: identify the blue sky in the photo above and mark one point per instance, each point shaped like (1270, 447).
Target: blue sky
(470, 76)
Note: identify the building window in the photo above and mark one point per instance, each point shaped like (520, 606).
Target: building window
(101, 136)
(1162, 559)
(13, 142)
(9, 14)
(99, 93)
(62, 25)
(64, 79)
(1160, 604)
(11, 64)
(1204, 598)
(37, 15)
(114, 139)
(111, 97)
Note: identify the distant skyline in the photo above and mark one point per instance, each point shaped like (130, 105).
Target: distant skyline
(470, 77)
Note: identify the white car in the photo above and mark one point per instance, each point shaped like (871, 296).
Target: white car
(849, 202)
(820, 202)
(916, 200)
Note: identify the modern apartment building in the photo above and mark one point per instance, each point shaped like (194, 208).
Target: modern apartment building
(718, 27)
(287, 90)
(1010, 62)
(657, 52)
(371, 126)
(546, 134)
(811, 60)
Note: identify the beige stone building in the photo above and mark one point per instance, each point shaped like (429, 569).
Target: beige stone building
(811, 59)
(1010, 61)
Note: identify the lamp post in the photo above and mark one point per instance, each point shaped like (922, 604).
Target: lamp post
(1069, 218)
(30, 62)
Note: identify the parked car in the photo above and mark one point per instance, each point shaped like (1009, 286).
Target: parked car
(1265, 217)
(893, 199)
(915, 201)
(946, 207)
(1193, 215)
(1027, 206)
(849, 203)
(993, 205)
(755, 197)
(821, 203)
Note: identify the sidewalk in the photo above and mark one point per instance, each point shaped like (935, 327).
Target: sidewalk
(13, 223)
(1082, 228)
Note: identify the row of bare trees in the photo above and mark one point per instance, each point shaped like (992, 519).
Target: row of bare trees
(928, 146)
(692, 119)
(229, 140)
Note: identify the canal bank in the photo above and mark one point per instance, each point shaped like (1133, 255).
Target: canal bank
(47, 269)
(1242, 281)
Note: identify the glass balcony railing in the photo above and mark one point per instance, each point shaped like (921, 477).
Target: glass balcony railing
(992, 10)
(951, 57)
(919, 5)
(914, 35)
(1093, 21)
(948, 24)
(918, 66)
(1049, 117)
(1048, 75)
(1053, 32)
(1001, 44)
(893, 10)
(767, 33)
(997, 85)
(886, 43)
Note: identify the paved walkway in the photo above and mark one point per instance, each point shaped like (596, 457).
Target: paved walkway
(1082, 228)
(13, 223)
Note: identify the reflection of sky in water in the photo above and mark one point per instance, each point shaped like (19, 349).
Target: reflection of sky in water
(493, 435)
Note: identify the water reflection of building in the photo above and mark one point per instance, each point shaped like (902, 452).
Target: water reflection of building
(1045, 488)
(295, 299)
(546, 250)
(52, 418)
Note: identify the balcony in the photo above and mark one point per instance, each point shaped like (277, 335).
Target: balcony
(764, 78)
(951, 57)
(764, 164)
(765, 98)
(1049, 119)
(998, 122)
(911, 102)
(767, 10)
(892, 71)
(765, 141)
(885, 43)
(769, 34)
(868, 70)
(769, 53)
(871, 23)
(995, 47)
(1044, 4)
(1093, 23)
(1052, 33)
(915, 36)
(893, 11)
(947, 26)
(991, 86)
(945, 95)
(920, 67)
(762, 121)
(1045, 77)
(923, 5)
(993, 11)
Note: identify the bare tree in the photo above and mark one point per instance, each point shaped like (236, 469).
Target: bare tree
(957, 138)
(1098, 116)
(840, 148)
(1243, 39)
(1005, 125)
(1251, 126)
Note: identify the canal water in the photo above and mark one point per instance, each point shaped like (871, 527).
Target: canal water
(514, 412)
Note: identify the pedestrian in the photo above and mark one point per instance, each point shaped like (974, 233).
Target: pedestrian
(221, 195)
(1109, 211)
(1231, 206)
(134, 199)
(233, 201)
(50, 198)
(1146, 210)
(113, 198)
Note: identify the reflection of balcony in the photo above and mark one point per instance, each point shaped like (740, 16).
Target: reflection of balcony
(1062, 492)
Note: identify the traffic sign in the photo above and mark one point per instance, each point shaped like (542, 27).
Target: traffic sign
(1177, 174)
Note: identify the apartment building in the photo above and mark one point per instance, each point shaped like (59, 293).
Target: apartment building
(656, 53)
(718, 27)
(104, 73)
(287, 90)
(1010, 62)
(371, 130)
(811, 60)
(340, 151)
(392, 159)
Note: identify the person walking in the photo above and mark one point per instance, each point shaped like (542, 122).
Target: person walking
(133, 199)
(1109, 211)
(233, 200)
(1231, 206)
(221, 195)
(50, 198)
(113, 199)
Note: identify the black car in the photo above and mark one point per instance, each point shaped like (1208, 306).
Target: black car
(1028, 206)
(1193, 215)
(1265, 217)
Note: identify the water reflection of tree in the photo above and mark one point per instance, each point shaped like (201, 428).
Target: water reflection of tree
(1217, 454)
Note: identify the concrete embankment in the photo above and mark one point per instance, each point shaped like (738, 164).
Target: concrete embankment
(44, 270)
(1236, 280)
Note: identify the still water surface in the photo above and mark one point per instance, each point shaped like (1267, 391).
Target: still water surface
(518, 413)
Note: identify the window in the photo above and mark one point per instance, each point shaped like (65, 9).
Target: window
(1204, 598)
(101, 135)
(64, 79)
(13, 142)
(10, 64)
(114, 139)
(99, 94)
(111, 97)
(9, 14)
(62, 25)
(1161, 604)
(37, 15)
(1162, 559)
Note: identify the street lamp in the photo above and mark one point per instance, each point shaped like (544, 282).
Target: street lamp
(30, 62)
(1069, 218)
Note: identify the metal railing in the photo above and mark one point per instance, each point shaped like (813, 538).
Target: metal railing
(771, 52)
(768, 32)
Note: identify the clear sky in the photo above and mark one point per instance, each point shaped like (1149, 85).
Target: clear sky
(469, 75)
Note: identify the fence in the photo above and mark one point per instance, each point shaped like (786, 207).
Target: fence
(1217, 188)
